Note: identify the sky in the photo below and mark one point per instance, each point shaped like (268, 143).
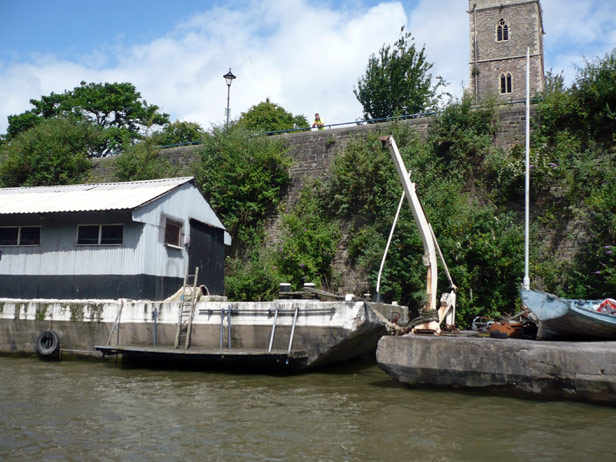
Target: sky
(305, 56)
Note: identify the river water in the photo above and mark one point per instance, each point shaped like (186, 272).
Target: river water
(99, 411)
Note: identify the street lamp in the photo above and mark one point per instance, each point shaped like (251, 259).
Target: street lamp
(229, 77)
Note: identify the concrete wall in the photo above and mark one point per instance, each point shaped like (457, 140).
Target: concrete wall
(564, 370)
(314, 151)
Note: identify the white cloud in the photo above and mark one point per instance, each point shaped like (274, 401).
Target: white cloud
(576, 30)
(443, 27)
(304, 56)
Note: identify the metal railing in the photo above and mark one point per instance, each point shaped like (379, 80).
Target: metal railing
(356, 122)
(336, 125)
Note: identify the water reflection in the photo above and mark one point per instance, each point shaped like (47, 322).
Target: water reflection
(74, 410)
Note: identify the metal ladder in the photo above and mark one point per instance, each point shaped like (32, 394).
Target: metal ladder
(273, 333)
(187, 310)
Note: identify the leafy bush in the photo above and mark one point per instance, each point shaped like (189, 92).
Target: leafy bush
(482, 244)
(54, 152)
(243, 178)
(587, 109)
(594, 91)
(576, 202)
(142, 161)
(268, 117)
(308, 243)
(253, 277)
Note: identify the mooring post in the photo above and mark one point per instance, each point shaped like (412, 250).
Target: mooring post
(229, 328)
(155, 315)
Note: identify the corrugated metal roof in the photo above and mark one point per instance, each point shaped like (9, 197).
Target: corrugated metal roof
(85, 197)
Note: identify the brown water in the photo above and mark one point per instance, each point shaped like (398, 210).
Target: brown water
(94, 411)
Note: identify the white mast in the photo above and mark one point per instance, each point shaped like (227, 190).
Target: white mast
(420, 220)
(526, 282)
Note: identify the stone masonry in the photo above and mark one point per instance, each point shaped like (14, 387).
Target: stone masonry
(312, 155)
(313, 152)
(500, 33)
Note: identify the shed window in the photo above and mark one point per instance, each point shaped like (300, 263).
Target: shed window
(111, 234)
(30, 235)
(100, 234)
(20, 235)
(505, 83)
(173, 233)
(502, 31)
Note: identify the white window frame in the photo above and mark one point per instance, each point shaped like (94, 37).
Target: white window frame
(180, 225)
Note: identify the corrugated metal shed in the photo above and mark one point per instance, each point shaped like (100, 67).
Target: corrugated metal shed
(85, 197)
(143, 264)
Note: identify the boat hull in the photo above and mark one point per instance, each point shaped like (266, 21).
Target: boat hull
(303, 334)
(569, 319)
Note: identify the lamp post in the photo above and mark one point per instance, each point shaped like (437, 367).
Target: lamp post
(229, 77)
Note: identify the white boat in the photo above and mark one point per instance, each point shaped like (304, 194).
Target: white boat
(571, 319)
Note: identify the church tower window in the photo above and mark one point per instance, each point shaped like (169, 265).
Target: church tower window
(505, 83)
(502, 31)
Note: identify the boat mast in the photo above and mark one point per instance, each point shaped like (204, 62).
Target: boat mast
(422, 224)
(526, 282)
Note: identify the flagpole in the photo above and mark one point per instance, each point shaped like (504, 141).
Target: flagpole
(526, 282)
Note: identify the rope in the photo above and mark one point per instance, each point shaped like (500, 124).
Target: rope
(424, 316)
(391, 233)
(322, 293)
(438, 248)
(391, 328)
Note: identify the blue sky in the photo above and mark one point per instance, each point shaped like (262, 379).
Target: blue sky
(303, 55)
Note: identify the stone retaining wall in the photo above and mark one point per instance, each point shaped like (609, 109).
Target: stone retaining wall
(313, 153)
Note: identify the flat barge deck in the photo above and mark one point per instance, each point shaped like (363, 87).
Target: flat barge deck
(244, 357)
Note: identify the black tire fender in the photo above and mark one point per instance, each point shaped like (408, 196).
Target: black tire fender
(48, 345)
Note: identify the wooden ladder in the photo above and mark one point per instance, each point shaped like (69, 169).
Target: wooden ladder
(188, 301)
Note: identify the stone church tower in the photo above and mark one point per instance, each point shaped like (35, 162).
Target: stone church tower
(500, 32)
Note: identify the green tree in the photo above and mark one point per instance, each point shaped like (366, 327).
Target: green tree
(397, 81)
(309, 242)
(118, 108)
(178, 132)
(53, 152)
(142, 161)
(268, 117)
(595, 92)
(586, 109)
(22, 122)
(242, 177)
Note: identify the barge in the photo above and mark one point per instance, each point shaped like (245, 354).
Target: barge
(289, 334)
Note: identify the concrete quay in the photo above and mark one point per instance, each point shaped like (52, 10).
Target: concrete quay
(582, 371)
